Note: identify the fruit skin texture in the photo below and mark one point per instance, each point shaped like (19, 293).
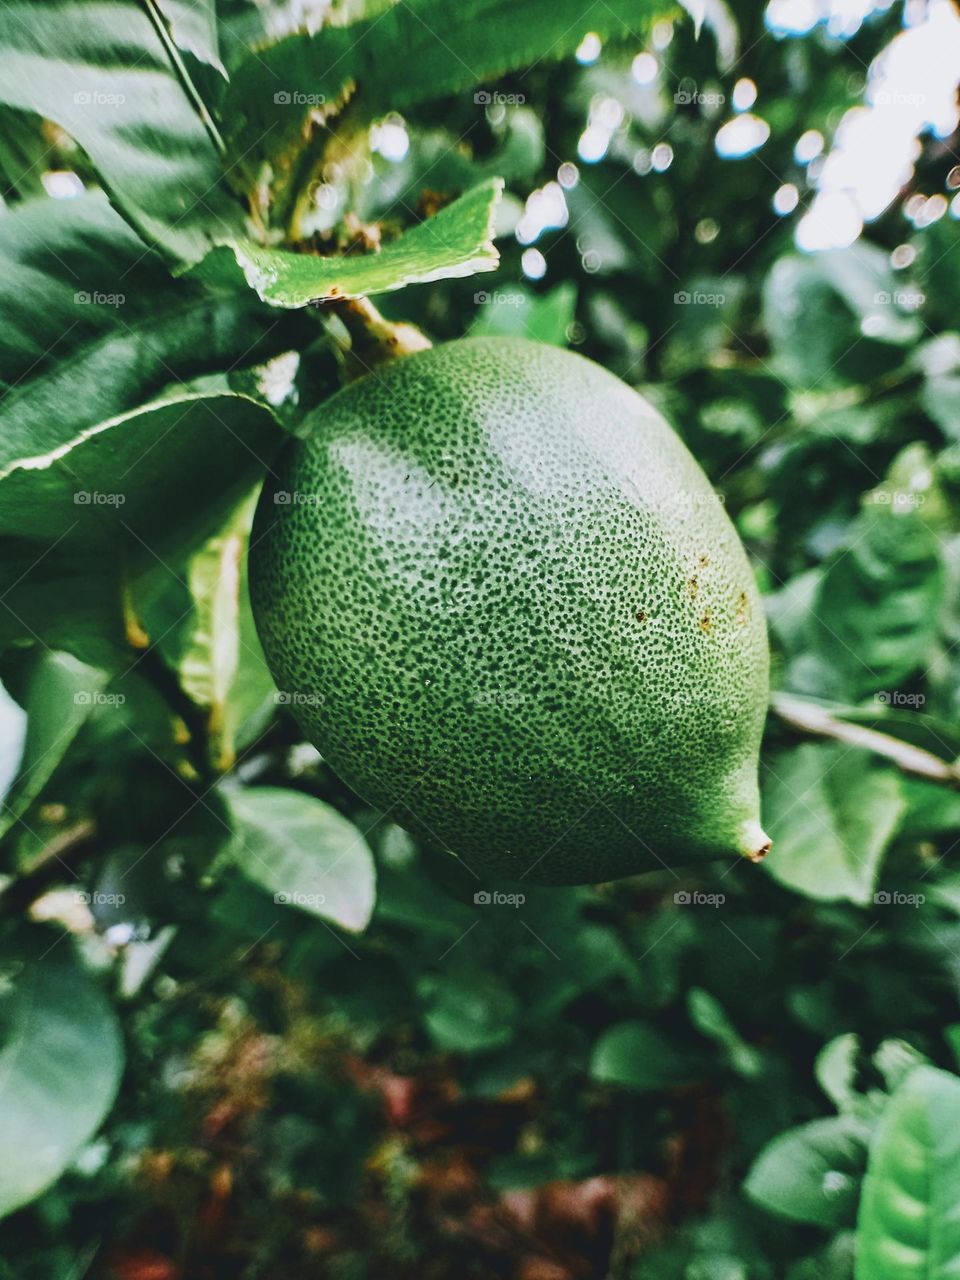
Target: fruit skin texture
(507, 607)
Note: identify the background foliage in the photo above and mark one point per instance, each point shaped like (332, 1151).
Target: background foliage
(247, 1027)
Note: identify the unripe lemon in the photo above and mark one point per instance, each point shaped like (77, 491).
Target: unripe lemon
(504, 602)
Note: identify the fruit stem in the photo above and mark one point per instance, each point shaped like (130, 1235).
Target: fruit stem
(373, 338)
(756, 844)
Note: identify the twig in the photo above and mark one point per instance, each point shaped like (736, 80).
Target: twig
(821, 723)
(374, 339)
(197, 748)
(67, 847)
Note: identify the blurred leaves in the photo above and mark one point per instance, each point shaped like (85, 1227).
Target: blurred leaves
(812, 1173)
(113, 421)
(824, 313)
(105, 74)
(405, 55)
(638, 1056)
(60, 1061)
(518, 313)
(868, 621)
(57, 693)
(13, 732)
(831, 814)
(97, 327)
(304, 853)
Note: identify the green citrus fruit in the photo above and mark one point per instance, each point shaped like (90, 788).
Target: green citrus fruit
(503, 601)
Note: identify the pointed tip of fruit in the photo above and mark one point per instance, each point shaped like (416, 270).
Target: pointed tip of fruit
(755, 843)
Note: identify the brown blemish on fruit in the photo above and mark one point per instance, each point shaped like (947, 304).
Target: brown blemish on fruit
(705, 623)
(704, 561)
(693, 586)
(640, 615)
(743, 609)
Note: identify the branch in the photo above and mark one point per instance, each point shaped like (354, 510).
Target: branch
(374, 339)
(65, 849)
(197, 748)
(820, 723)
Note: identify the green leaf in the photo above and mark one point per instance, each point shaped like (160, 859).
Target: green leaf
(106, 73)
(135, 488)
(831, 815)
(212, 650)
(897, 1059)
(468, 1012)
(213, 576)
(832, 317)
(705, 317)
(639, 1056)
(58, 695)
(710, 1018)
(908, 1227)
(514, 311)
(812, 1173)
(304, 853)
(415, 52)
(95, 329)
(213, 644)
(836, 1070)
(436, 162)
(95, 326)
(720, 21)
(875, 612)
(933, 810)
(60, 1063)
(25, 153)
(13, 732)
(939, 360)
(193, 28)
(457, 241)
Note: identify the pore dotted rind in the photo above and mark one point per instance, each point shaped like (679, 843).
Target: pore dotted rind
(505, 603)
